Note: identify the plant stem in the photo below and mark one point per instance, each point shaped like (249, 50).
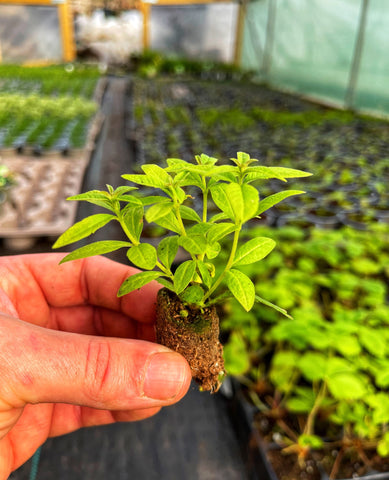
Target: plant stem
(228, 265)
(308, 430)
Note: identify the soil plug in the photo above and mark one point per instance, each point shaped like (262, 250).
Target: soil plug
(187, 319)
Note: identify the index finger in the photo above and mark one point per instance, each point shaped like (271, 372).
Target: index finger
(94, 281)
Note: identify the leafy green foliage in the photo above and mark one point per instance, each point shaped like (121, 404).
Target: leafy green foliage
(328, 364)
(196, 280)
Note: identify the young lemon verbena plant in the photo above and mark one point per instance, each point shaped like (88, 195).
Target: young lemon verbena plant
(186, 315)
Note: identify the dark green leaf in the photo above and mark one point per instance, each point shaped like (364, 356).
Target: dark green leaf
(83, 229)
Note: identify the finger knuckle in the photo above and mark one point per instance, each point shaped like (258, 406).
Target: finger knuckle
(98, 368)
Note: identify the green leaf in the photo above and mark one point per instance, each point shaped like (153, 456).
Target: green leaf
(193, 295)
(133, 219)
(97, 197)
(188, 213)
(205, 273)
(167, 250)
(272, 200)
(144, 180)
(273, 306)
(374, 341)
(136, 281)
(219, 231)
(303, 400)
(241, 287)
(346, 386)
(158, 211)
(95, 248)
(83, 229)
(194, 244)
(183, 275)
(313, 366)
(236, 356)
(229, 198)
(254, 250)
(158, 175)
(250, 201)
(143, 256)
(311, 441)
(212, 250)
(169, 222)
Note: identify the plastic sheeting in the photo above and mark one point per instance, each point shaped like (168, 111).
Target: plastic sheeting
(29, 33)
(202, 31)
(334, 50)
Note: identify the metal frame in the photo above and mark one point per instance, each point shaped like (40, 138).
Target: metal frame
(145, 7)
(65, 18)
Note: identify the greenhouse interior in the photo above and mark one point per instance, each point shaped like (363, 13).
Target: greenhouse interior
(230, 160)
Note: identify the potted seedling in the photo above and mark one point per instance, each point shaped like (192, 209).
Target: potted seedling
(7, 179)
(187, 319)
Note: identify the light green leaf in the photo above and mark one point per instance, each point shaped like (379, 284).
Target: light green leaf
(254, 250)
(143, 256)
(229, 198)
(133, 219)
(219, 231)
(167, 250)
(212, 250)
(272, 200)
(313, 366)
(193, 295)
(97, 197)
(183, 275)
(158, 175)
(188, 213)
(83, 229)
(236, 355)
(144, 180)
(346, 386)
(205, 273)
(95, 248)
(136, 281)
(250, 201)
(158, 211)
(241, 287)
(194, 244)
(273, 306)
(374, 341)
(169, 222)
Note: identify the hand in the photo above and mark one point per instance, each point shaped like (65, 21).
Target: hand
(72, 354)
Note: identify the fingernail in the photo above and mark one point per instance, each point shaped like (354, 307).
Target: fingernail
(166, 375)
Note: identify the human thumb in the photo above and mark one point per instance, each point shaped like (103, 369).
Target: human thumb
(39, 365)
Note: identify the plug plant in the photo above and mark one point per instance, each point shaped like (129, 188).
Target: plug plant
(187, 319)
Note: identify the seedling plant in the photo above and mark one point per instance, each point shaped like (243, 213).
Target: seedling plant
(187, 319)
